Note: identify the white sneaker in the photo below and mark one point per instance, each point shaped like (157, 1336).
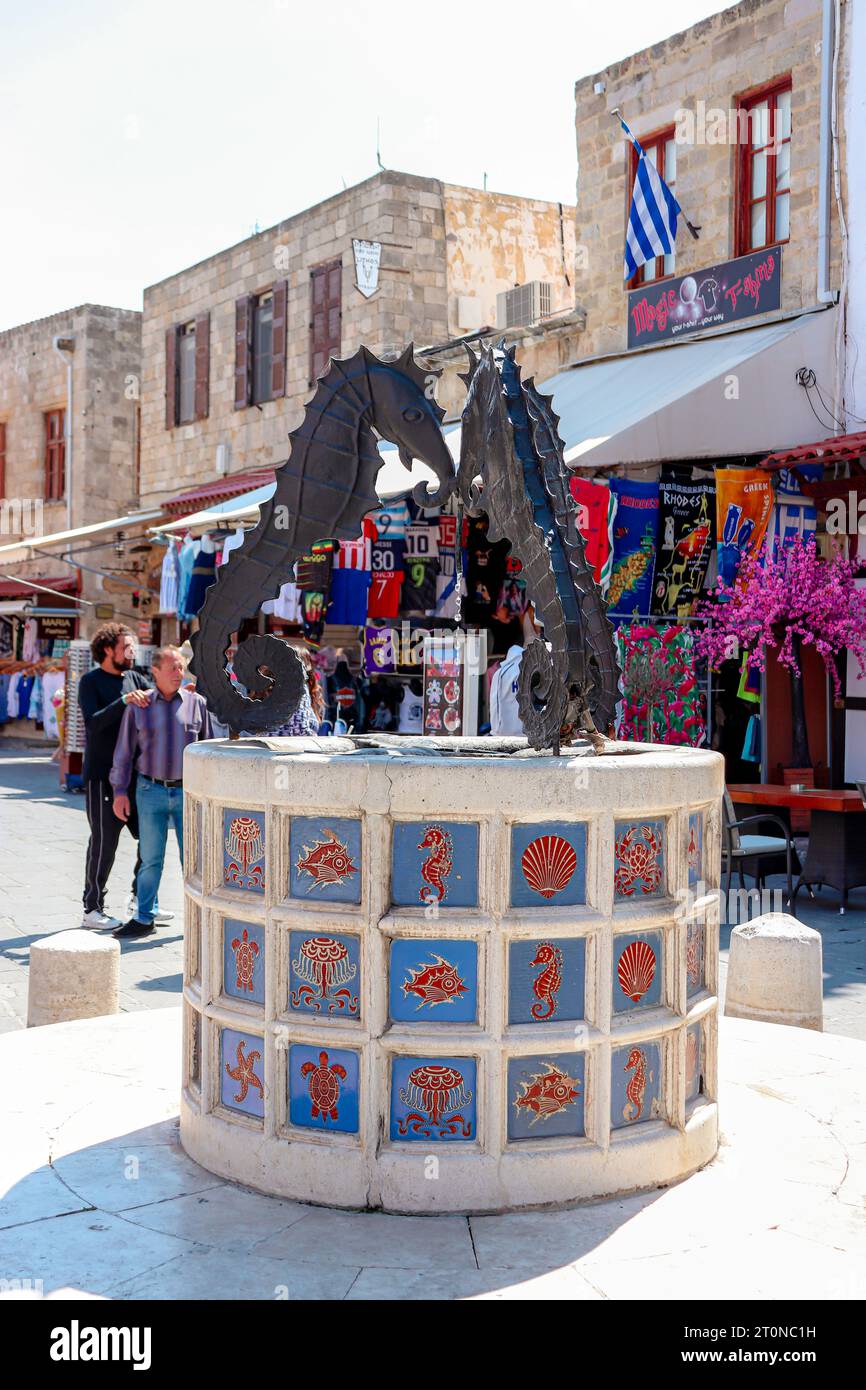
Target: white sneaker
(161, 914)
(99, 921)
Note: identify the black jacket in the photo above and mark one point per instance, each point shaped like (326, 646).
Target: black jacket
(99, 699)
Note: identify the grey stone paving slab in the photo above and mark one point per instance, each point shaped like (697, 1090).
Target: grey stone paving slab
(208, 1274)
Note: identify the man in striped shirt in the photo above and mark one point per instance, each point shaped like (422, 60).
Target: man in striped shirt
(151, 741)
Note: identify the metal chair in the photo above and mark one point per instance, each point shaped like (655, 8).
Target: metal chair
(743, 849)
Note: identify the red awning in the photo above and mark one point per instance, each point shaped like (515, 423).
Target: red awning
(18, 588)
(835, 450)
(220, 490)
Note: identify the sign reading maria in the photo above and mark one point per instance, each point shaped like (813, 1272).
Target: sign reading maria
(722, 294)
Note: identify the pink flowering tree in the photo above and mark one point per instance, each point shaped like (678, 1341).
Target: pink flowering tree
(783, 603)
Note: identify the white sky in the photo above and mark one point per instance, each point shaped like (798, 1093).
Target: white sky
(140, 138)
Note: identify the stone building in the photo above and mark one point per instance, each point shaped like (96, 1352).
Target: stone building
(231, 347)
(69, 436)
(687, 99)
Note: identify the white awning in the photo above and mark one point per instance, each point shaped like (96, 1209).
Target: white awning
(117, 523)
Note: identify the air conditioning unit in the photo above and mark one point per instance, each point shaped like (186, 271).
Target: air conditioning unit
(524, 305)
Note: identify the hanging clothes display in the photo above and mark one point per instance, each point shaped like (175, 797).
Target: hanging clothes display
(232, 542)
(30, 649)
(287, 605)
(169, 581)
(203, 575)
(744, 501)
(186, 561)
(410, 716)
(686, 537)
(662, 702)
(391, 520)
(596, 510)
(380, 655)
(634, 544)
(53, 683)
(342, 695)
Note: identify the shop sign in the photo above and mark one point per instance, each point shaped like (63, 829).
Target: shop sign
(453, 665)
(55, 627)
(103, 612)
(724, 293)
(368, 254)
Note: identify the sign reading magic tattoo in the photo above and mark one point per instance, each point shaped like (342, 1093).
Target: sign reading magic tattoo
(722, 294)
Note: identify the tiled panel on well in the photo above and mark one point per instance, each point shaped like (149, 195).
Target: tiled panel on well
(635, 1084)
(325, 974)
(695, 848)
(242, 1085)
(244, 850)
(546, 1095)
(325, 858)
(694, 1061)
(193, 940)
(324, 1088)
(244, 960)
(639, 860)
(433, 981)
(434, 862)
(637, 970)
(434, 1099)
(696, 938)
(548, 864)
(546, 979)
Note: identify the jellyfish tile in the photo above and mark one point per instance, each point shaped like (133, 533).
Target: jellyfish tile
(244, 850)
(325, 974)
(433, 1099)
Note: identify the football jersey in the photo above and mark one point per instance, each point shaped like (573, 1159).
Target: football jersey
(419, 586)
(384, 597)
(349, 597)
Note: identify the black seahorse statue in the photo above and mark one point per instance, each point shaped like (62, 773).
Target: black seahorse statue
(512, 468)
(324, 489)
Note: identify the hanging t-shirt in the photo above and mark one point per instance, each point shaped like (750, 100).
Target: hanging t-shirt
(634, 547)
(384, 596)
(380, 650)
(381, 700)
(386, 557)
(391, 520)
(353, 555)
(169, 582)
(313, 617)
(52, 681)
(410, 716)
(287, 605)
(446, 596)
(342, 690)
(504, 715)
(349, 597)
(485, 571)
(596, 508)
(24, 692)
(422, 541)
(419, 586)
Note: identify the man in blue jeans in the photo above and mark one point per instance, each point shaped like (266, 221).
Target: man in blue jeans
(152, 737)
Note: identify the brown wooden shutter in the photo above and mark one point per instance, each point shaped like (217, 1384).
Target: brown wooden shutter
(202, 366)
(243, 351)
(325, 316)
(280, 334)
(171, 336)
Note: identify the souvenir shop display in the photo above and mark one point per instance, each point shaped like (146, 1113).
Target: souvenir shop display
(662, 700)
(634, 547)
(686, 538)
(453, 666)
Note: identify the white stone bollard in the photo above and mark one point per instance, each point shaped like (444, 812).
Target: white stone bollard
(775, 972)
(72, 975)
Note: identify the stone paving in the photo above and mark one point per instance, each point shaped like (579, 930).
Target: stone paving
(43, 834)
(99, 1198)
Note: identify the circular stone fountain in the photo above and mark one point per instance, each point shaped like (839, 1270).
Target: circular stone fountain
(449, 975)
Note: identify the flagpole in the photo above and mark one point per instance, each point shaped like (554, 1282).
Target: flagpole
(618, 116)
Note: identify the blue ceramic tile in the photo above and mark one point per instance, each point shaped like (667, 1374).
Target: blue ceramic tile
(694, 1061)
(244, 960)
(325, 974)
(546, 1095)
(242, 1068)
(546, 980)
(433, 1098)
(434, 981)
(325, 859)
(696, 935)
(635, 1084)
(695, 848)
(323, 1088)
(637, 971)
(244, 850)
(434, 862)
(548, 864)
(639, 860)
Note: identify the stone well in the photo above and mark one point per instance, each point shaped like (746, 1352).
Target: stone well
(449, 975)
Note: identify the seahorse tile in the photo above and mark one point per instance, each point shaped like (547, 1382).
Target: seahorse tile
(546, 980)
(433, 981)
(324, 974)
(694, 1061)
(637, 971)
(695, 848)
(242, 1072)
(244, 961)
(548, 864)
(696, 935)
(546, 1095)
(635, 1084)
(324, 1088)
(325, 856)
(639, 860)
(434, 864)
(433, 1099)
(244, 850)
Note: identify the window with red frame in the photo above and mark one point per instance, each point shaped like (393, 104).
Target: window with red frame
(55, 455)
(660, 150)
(764, 174)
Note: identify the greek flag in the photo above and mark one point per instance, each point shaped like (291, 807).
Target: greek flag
(652, 219)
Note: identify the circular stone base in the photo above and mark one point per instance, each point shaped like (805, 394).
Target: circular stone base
(450, 975)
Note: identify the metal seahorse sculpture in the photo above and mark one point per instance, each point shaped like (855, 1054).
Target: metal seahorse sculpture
(324, 489)
(512, 468)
